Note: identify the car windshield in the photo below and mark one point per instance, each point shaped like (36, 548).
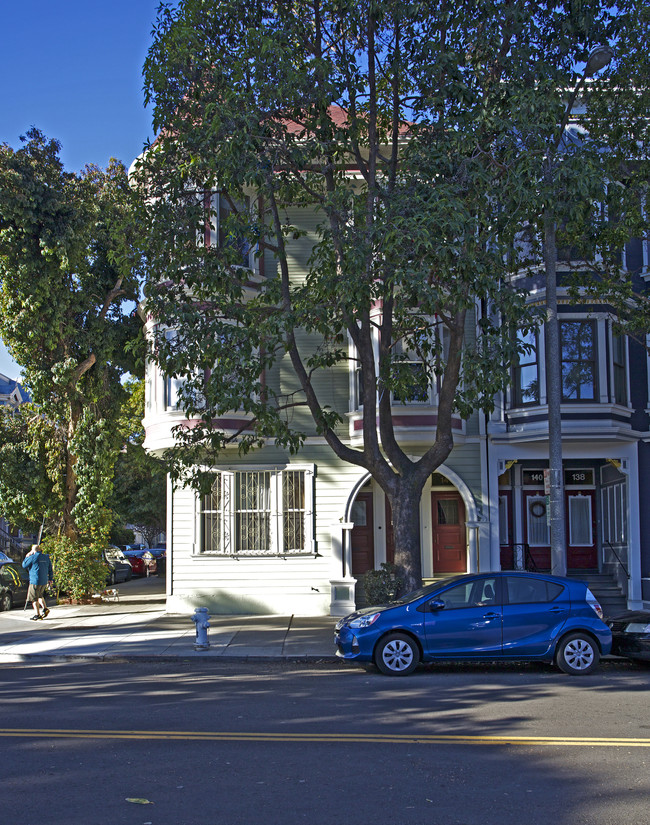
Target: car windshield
(424, 591)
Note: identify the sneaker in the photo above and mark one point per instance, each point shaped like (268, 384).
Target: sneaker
(46, 613)
(36, 618)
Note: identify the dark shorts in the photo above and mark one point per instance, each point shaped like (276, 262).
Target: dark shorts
(35, 591)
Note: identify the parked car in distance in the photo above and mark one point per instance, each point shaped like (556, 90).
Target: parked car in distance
(14, 581)
(119, 569)
(481, 617)
(631, 635)
(141, 560)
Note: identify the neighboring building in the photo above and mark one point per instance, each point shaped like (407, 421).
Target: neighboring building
(12, 394)
(12, 541)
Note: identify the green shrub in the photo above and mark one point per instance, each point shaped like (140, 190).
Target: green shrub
(383, 585)
(78, 568)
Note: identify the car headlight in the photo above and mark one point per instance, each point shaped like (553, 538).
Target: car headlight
(364, 621)
(637, 627)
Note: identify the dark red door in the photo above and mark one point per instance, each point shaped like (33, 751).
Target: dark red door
(449, 535)
(363, 545)
(536, 528)
(581, 530)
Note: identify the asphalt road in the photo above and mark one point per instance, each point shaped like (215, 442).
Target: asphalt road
(232, 744)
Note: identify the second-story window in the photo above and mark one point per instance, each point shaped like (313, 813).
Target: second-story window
(223, 227)
(526, 373)
(620, 371)
(578, 340)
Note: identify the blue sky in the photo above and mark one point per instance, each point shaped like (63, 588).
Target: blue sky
(73, 68)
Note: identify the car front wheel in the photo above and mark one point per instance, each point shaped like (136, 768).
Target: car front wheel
(577, 654)
(397, 655)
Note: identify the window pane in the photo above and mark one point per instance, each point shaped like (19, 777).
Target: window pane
(447, 511)
(213, 522)
(471, 594)
(504, 537)
(253, 512)
(293, 509)
(580, 520)
(538, 530)
(416, 389)
(578, 360)
(526, 375)
(529, 591)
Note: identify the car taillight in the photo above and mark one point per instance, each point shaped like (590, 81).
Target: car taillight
(593, 603)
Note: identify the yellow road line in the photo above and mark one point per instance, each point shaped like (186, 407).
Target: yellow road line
(338, 738)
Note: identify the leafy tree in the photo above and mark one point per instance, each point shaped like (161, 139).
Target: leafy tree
(412, 131)
(69, 265)
(140, 484)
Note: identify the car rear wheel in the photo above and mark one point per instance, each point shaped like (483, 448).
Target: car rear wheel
(397, 655)
(6, 602)
(577, 654)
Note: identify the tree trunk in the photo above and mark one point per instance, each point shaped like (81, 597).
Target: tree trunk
(405, 506)
(69, 528)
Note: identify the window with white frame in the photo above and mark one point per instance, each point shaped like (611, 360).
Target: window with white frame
(258, 512)
(614, 510)
(171, 384)
(578, 340)
(416, 370)
(619, 363)
(538, 531)
(221, 229)
(526, 372)
(580, 521)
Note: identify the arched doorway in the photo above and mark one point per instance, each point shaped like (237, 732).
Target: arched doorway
(449, 545)
(362, 535)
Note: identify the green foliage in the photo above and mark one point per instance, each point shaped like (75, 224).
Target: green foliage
(139, 495)
(402, 147)
(383, 585)
(78, 568)
(70, 265)
(29, 493)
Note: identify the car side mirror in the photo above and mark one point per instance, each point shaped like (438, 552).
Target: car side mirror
(436, 604)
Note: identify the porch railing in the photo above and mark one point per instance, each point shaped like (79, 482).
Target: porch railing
(522, 558)
(618, 558)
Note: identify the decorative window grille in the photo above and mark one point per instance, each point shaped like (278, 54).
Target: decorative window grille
(257, 513)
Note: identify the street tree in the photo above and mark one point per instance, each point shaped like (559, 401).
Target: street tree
(140, 486)
(69, 266)
(409, 130)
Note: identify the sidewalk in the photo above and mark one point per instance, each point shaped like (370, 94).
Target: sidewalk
(136, 628)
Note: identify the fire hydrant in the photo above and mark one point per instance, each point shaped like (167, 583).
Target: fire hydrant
(201, 619)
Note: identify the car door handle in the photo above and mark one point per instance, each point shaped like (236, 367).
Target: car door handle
(492, 616)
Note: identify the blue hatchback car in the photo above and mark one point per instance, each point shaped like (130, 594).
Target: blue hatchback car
(486, 616)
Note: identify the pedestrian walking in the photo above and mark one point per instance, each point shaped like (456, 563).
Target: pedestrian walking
(39, 566)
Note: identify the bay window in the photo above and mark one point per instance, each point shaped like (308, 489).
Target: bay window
(578, 342)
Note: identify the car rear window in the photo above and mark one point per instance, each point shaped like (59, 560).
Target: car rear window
(529, 591)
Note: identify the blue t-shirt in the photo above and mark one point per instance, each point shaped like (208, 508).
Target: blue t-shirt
(39, 567)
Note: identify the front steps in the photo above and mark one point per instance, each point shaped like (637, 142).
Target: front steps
(604, 589)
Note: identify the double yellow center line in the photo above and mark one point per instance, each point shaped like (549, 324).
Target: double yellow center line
(336, 738)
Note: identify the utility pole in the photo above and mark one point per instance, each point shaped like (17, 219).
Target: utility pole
(598, 59)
